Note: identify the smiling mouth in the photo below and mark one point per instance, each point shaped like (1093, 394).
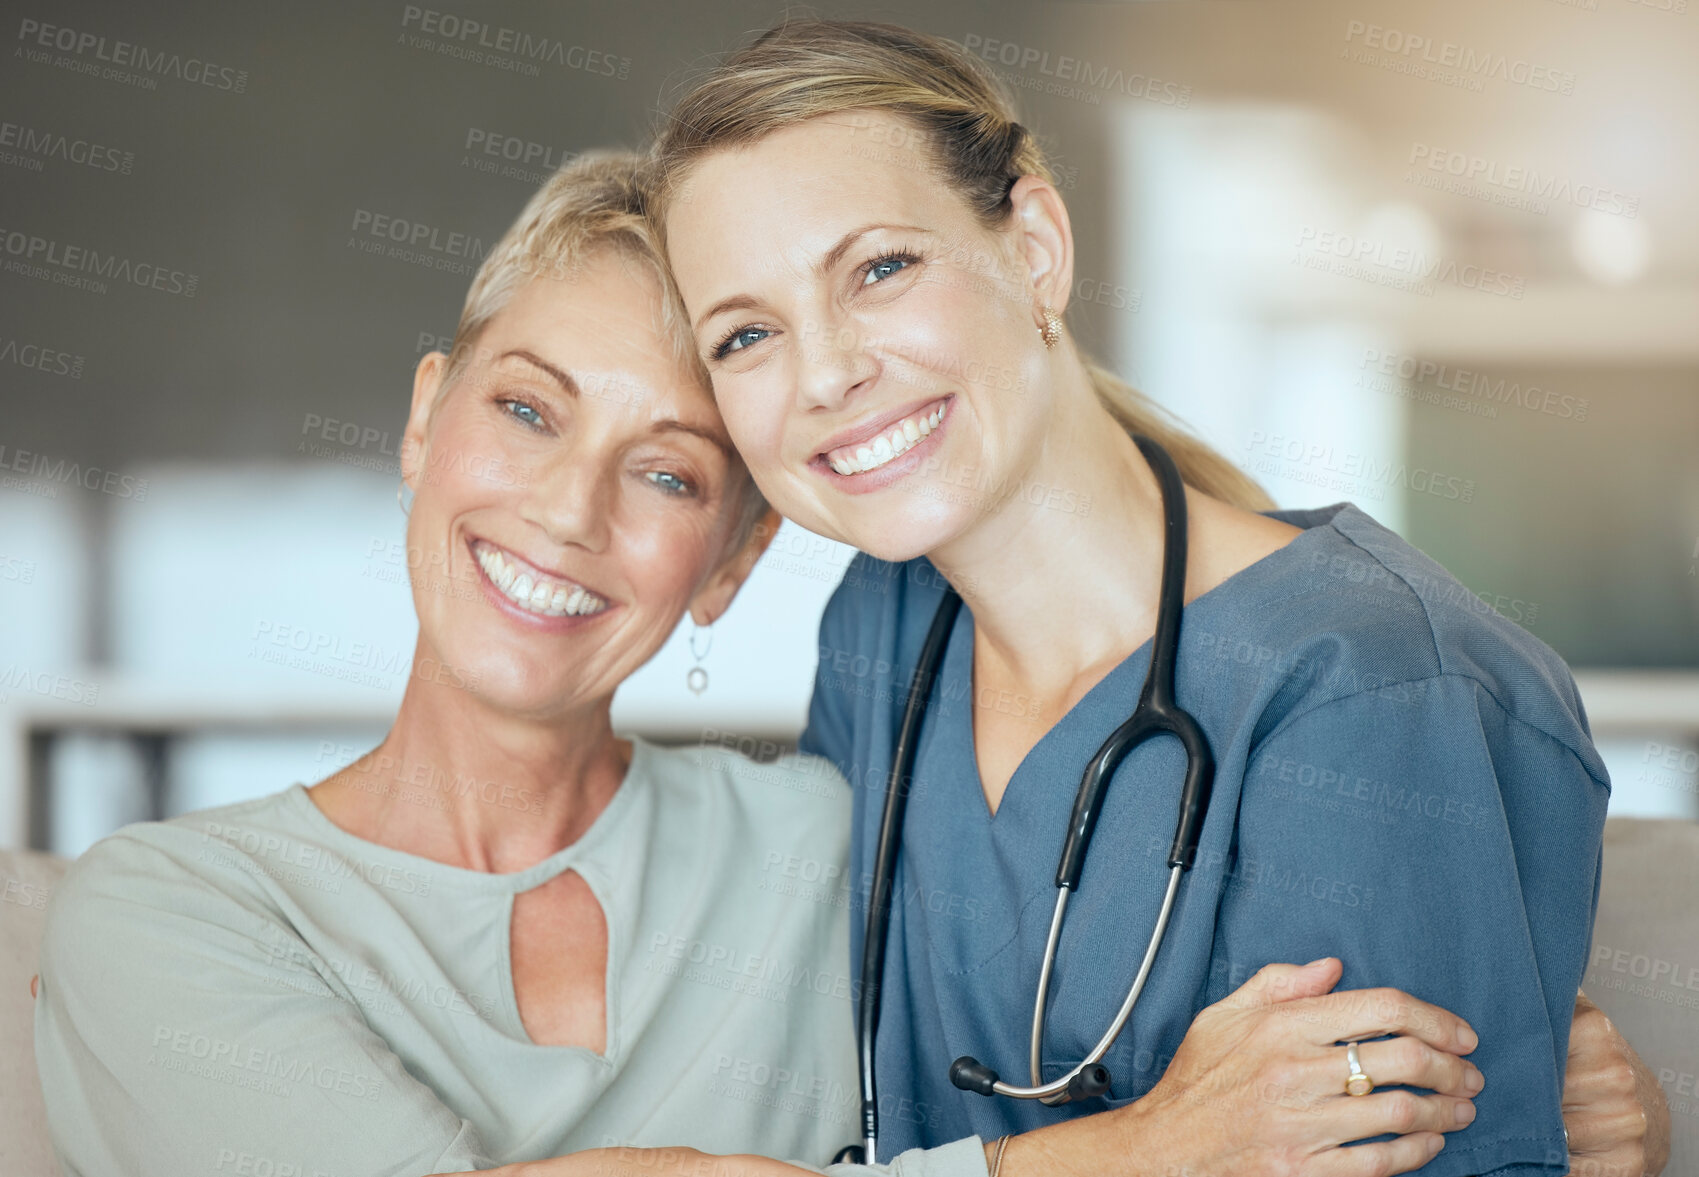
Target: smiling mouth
(531, 589)
(865, 456)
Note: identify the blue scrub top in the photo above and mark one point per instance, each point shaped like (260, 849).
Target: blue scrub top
(1404, 780)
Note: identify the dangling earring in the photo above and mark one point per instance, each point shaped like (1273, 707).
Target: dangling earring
(697, 679)
(1051, 332)
(404, 498)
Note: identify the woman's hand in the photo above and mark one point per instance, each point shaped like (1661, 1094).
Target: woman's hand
(1258, 1087)
(1613, 1109)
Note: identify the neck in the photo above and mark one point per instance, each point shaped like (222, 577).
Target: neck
(1097, 533)
(461, 782)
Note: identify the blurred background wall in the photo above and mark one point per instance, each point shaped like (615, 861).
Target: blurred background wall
(1436, 259)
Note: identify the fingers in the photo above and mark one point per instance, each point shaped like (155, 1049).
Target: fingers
(1604, 1082)
(1601, 1132)
(1411, 1062)
(1357, 1117)
(1378, 1160)
(1275, 983)
(1371, 1013)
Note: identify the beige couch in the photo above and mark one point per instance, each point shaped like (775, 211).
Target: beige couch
(1644, 973)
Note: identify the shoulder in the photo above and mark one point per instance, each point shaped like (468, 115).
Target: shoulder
(879, 605)
(1361, 610)
(161, 879)
(783, 799)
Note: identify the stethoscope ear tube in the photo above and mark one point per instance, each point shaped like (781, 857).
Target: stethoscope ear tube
(1194, 794)
(885, 859)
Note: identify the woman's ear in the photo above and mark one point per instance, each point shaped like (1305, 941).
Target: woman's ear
(1046, 240)
(715, 597)
(427, 382)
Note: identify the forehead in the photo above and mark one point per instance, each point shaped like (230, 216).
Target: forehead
(603, 322)
(798, 188)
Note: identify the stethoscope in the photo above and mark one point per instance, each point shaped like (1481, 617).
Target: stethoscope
(1156, 714)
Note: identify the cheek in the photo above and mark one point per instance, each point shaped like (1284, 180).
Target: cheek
(662, 554)
(753, 408)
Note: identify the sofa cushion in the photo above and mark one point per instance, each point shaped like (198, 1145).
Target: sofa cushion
(1644, 968)
(26, 881)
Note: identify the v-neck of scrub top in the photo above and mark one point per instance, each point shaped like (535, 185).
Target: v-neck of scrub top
(1033, 812)
(583, 856)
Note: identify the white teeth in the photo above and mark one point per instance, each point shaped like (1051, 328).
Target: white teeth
(543, 595)
(901, 439)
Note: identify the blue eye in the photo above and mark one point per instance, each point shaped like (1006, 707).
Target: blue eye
(671, 483)
(883, 268)
(524, 413)
(740, 339)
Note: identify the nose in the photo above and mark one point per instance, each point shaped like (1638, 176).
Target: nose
(571, 497)
(834, 362)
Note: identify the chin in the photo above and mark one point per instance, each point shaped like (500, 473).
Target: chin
(901, 535)
(506, 681)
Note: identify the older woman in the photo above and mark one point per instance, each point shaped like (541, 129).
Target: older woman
(505, 933)
(508, 935)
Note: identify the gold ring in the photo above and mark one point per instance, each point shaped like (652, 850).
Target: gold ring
(1357, 1082)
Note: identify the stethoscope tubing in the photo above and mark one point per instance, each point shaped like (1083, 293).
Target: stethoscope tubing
(1157, 713)
(885, 858)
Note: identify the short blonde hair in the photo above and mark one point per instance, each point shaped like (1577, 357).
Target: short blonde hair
(594, 204)
(807, 68)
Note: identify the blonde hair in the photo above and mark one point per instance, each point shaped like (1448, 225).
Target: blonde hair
(804, 69)
(595, 203)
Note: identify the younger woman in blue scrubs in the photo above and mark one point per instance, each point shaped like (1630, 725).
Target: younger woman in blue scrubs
(876, 264)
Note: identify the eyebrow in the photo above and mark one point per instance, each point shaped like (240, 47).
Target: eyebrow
(665, 425)
(564, 379)
(674, 425)
(828, 260)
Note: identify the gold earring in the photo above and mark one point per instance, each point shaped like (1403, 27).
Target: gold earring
(1051, 332)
